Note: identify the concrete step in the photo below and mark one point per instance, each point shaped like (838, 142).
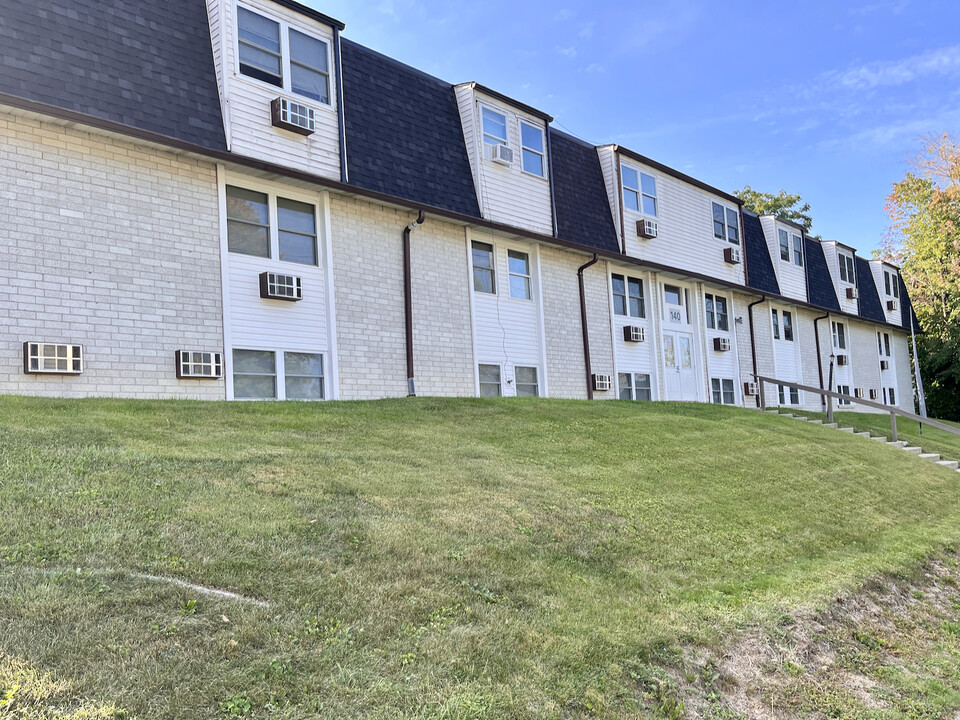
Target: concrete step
(816, 422)
(880, 438)
(913, 450)
(831, 425)
(933, 457)
(803, 419)
(786, 415)
(898, 443)
(949, 464)
(772, 412)
(847, 430)
(863, 434)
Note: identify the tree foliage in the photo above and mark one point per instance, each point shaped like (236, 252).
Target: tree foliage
(783, 204)
(924, 239)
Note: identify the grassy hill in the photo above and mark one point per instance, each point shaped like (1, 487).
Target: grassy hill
(425, 558)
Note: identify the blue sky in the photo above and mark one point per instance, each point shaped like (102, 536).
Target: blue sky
(822, 98)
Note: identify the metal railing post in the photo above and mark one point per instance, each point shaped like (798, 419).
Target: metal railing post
(893, 426)
(830, 409)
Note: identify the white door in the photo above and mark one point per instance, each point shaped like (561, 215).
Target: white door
(679, 375)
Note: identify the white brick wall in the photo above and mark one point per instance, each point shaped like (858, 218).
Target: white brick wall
(111, 245)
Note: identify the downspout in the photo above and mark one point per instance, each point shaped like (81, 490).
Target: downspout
(623, 230)
(408, 301)
(553, 195)
(816, 335)
(583, 325)
(344, 174)
(753, 347)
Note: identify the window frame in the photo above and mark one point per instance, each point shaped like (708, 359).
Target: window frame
(891, 284)
(492, 269)
(535, 384)
(726, 223)
(784, 237)
(481, 383)
(839, 335)
(528, 278)
(722, 388)
(275, 193)
(848, 267)
(483, 129)
(798, 254)
(286, 61)
(542, 154)
(629, 282)
(713, 314)
(279, 373)
(633, 387)
(638, 192)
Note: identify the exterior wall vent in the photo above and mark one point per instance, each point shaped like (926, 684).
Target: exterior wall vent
(199, 365)
(41, 358)
(276, 286)
(602, 383)
(633, 334)
(293, 116)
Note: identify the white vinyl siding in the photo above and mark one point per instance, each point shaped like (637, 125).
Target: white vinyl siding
(785, 242)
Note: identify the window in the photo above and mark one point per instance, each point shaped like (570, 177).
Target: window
(787, 326)
(639, 191)
(891, 284)
(309, 74)
(635, 386)
(531, 142)
(792, 393)
(261, 56)
(251, 217)
(519, 267)
(55, 359)
(892, 395)
(839, 336)
(628, 296)
(843, 390)
(798, 250)
(726, 224)
(784, 244)
(483, 275)
(254, 375)
(303, 376)
(886, 344)
(259, 41)
(717, 317)
(527, 385)
(723, 391)
(494, 127)
(846, 268)
(776, 324)
(490, 381)
(672, 295)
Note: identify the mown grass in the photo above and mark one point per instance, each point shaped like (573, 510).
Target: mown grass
(425, 558)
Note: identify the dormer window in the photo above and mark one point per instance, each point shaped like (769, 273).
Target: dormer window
(639, 191)
(890, 284)
(726, 224)
(846, 268)
(266, 57)
(531, 140)
(494, 127)
(784, 238)
(797, 250)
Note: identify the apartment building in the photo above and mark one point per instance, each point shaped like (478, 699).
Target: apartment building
(230, 200)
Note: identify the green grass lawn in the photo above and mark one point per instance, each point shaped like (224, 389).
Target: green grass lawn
(425, 558)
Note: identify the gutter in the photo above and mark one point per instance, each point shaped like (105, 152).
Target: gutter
(584, 329)
(753, 347)
(342, 187)
(344, 173)
(408, 301)
(816, 336)
(553, 195)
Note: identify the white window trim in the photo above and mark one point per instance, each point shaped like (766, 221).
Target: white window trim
(274, 190)
(789, 258)
(280, 368)
(639, 190)
(286, 87)
(633, 386)
(840, 255)
(543, 155)
(511, 274)
(483, 134)
(727, 301)
(493, 269)
(733, 390)
(794, 238)
(726, 226)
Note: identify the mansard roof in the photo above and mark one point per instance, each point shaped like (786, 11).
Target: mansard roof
(760, 272)
(144, 65)
(870, 307)
(583, 210)
(820, 290)
(404, 136)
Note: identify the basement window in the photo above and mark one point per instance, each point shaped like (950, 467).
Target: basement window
(722, 391)
(303, 376)
(843, 390)
(254, 375)
(635, 386)
(792, 393)
(490, 381)
(527, 385)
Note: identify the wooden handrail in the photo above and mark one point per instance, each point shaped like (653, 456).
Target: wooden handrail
(894, 411)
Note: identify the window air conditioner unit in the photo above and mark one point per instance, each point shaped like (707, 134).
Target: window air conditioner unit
(601, 383)
(750, 388)
(647, 229)
(858, 392)
(732, 255)
(892, 305)
(501, 154)
(721, 344)
(40, 358)
(884, 364)
(293, 116)
(873, 393)
(841, 359)
(199, 365)
(632, 333)
(276, 286)
(853, 293)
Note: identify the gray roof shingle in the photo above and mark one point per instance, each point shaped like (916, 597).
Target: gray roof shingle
(820, 290)
(870, 307)
(759, 265)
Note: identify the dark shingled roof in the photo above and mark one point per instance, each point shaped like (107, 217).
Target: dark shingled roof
(148, 65)
(583, 210)
(906, 308)
(759, 265)
(820, 289)
(870, 306)
(404, 136)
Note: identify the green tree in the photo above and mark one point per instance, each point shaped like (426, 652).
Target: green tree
(924, 239)
(783, 204)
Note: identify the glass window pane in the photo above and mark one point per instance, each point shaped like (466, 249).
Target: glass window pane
(671, 294)
(631, 200)
(625, 383)
(520, 287)
(308, 51)
(649, 206)
(669, 353)
(298, 248)
(519, 262)
(490, 374)
(533, 163)
(248, 206)
(636, 309)
(254, 361)
(483, 280)
(309, 83)
(248, 239)
(531, 137)
(296, 216)
(715, 391)
(255, 387)
(259, 59)
(259, 30)
(619, 305)
(630, 178)
(686, 358)
(303, 388)
(649, 185)
(482, 255)
(495, 125)
(619, 287)
(295, 363)
(527, 375)
(718, 212)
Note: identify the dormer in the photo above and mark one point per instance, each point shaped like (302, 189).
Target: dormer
(785, 241)
(841, 261)
(887, 278)
(277, 72)
(509, 157)
(670, 218)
